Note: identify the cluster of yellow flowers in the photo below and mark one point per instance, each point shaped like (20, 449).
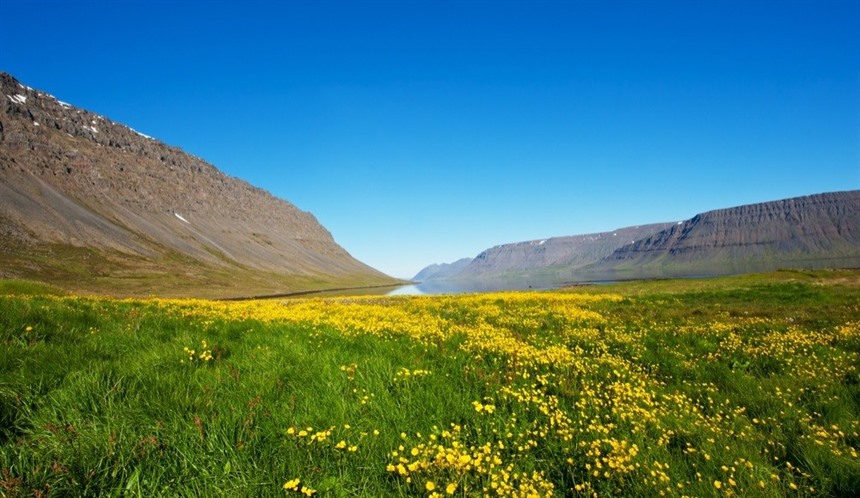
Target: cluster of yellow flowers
(483, 408)
(405, 373)
(204, 355)
(445, 456)
(297, 486)
(322, 438)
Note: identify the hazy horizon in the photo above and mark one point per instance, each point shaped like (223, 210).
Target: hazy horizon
(425, 132)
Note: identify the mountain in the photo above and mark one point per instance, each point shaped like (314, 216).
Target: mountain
(813, 231)
(95, 206)
(441, 271)
(554, 257)
(816, 231)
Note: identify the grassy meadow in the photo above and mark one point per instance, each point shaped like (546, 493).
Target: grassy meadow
(742, 386)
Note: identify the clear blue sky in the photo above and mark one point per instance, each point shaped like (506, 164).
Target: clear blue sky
(425, 131)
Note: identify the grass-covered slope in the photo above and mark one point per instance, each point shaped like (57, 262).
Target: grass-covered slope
(92, 271)
(746, 386)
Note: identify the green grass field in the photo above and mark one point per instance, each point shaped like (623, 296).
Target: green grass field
(745, 386)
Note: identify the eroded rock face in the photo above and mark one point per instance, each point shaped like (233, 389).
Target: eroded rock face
(811, 231)
(72, 177)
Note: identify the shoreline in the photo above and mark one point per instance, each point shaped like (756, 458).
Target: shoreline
(309, 292)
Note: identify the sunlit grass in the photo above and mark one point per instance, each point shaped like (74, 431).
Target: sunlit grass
(747, 387)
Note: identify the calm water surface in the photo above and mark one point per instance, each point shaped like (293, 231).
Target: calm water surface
(462, 287)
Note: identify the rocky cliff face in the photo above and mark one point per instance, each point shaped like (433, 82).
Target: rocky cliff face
(74, 183)
(811, 231)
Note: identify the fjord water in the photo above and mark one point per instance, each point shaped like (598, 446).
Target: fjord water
(479, 285)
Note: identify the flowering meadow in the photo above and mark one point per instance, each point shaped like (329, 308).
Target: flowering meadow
(743, 386)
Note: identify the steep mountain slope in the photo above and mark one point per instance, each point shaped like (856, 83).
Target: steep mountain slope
(97, 206)
(820, 230)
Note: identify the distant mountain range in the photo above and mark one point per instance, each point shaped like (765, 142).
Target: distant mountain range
(442, 270)
(813, 231)
(95, 206)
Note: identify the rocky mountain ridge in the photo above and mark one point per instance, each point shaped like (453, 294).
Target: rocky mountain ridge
(815, 231)
(556, 254)
(545, 258)
(74, 184)
(821, 230)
